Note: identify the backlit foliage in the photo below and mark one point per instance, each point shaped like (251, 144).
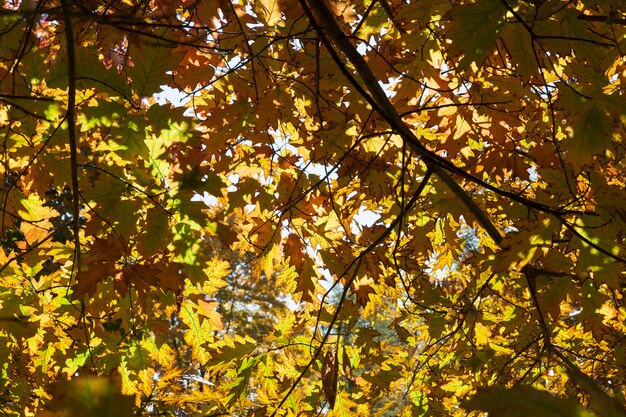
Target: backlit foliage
(307, 207)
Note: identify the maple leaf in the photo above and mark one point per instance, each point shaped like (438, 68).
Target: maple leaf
(150, 66)
(521, 47)
(269, 10)
(202, 241)
(474, 29)
(591, 135)
(522, 401)
(207, 309)
(231, 349)
(156, 232)
(305, 271)
(363, 288)
(99, 265)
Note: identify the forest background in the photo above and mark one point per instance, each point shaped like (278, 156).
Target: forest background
(356, 207)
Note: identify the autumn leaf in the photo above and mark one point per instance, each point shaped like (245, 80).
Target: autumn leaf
(591, 135)
(330, 372)
(156, 232)
(269, 11)
(304, 267)
(474, 29)
(231, 349)
(150, 65)
(280, 207)
(521, 46)
(97, 396)
(521, 401)
(207, 309)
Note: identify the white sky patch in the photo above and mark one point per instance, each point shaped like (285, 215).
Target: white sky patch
(388, 86)
(233, 63)
(364, 218)
(320, 170)
(208, 199)
(296, 44)
(364, 47)
(171, 95)
(234, 179)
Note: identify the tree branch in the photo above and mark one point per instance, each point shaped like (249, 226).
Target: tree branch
(355, 265)
(71, 128)
(379, 100)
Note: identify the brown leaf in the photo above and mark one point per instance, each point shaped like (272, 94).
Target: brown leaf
(142, 277)
(347, 368)
(330, 371)
(171, 277)
(87, 281)
(363, 288)
(294, 250)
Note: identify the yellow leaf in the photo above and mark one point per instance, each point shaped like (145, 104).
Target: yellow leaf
(207, 309)
(482, 334)
(33, 209)
(269, 11)
(453, 386)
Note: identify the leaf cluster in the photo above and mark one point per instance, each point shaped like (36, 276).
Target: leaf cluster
(299, 207)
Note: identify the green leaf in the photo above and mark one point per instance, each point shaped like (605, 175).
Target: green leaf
(474, 29)
(520, 45)
(156, 235)
(90, 73)
(11, 27)
(239, 385)
(523, 401)
(151, 64)
(198, 181)
(162, 117)
(591, 135)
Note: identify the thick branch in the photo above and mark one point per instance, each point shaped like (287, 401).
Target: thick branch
(610, 19)
(434, 163)
(71, 128)
(326, 24)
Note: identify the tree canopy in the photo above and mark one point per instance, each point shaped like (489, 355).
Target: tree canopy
(307, 207)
